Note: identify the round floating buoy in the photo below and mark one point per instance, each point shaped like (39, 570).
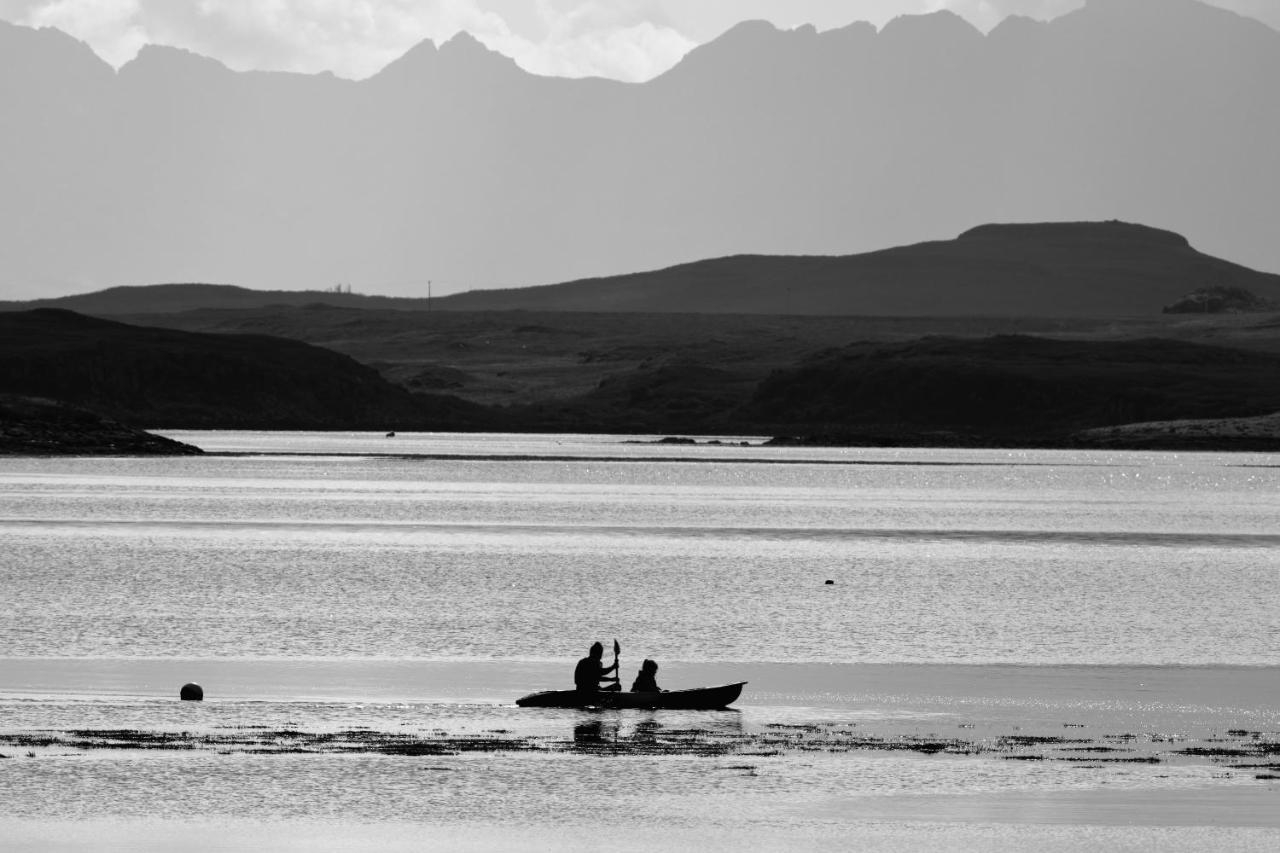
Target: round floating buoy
(192, 692)
(831, 583)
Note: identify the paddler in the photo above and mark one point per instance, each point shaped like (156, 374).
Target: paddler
(591, 671)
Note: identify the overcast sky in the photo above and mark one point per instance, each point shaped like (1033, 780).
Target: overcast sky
(623, 39)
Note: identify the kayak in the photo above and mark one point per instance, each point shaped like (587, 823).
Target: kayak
(698, 698)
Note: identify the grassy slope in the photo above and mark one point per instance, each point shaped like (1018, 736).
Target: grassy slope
(517, 358)
(159, 377)
(1014, 389)
(700, 373)
(575, 368)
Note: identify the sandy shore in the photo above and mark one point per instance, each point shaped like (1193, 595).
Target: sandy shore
(402, 755)
(872, 835)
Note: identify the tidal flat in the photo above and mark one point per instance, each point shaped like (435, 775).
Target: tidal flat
(386, 754)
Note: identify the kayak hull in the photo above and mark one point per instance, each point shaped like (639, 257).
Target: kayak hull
(697, 699)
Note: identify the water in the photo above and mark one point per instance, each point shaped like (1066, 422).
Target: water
(1001, 625)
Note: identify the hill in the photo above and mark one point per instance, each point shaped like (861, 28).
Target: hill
(1062, 269)
(754, 376)
(1011, 390)
(454, 165)
(1068, 269)
(157, 378)
(171, 298)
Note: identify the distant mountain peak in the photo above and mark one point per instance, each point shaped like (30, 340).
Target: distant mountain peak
(47, 45)
(1162, 13)
(418, 61)
(467, 53)
(1017, 26)
(465, 41)
(860, 28)
(1140, 5)
(752, 28)
(462, 54)
(941, 24)
(164, 59)
(753, 44)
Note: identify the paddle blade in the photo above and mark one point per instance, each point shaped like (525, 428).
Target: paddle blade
(616, 647)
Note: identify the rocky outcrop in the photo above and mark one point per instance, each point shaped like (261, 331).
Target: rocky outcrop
(1221, 299)
(1260, 434)
(31, 426)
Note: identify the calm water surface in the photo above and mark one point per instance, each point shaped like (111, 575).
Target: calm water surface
(322, 583)
(957, 556)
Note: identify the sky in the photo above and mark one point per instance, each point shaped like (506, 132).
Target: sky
(631, 40)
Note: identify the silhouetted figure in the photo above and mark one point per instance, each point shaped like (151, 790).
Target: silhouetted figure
(647, 679)
(591, 670)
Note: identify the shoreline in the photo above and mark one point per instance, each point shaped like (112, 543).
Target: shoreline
(49, 438)
(869, 834)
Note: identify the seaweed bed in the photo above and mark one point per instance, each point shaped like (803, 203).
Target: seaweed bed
(1240, 750)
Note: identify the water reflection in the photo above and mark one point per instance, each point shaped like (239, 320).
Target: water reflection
(615, 732)
(590, 735)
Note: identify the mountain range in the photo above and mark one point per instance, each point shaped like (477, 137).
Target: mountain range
(453, 165)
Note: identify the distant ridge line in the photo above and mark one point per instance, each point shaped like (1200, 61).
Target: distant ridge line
(1023, 269)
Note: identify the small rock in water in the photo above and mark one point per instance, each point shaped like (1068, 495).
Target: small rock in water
(831, 583)
(192, 692)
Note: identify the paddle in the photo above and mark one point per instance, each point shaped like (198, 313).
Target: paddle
(617, 672)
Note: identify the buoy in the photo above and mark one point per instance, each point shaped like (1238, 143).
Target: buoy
(192, 692)
(831, 583)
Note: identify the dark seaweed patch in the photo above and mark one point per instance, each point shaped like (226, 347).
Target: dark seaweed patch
(608, 737)
(1215, 752)
(1100, 749)
(1135, 759)
(1032, 740)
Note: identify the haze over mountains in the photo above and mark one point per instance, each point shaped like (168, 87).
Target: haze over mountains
(454, 165)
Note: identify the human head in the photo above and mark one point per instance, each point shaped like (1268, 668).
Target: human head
(597, 650)
(648, 666)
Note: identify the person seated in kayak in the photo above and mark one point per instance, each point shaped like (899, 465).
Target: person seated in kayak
(591, 671)
(646, 680)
